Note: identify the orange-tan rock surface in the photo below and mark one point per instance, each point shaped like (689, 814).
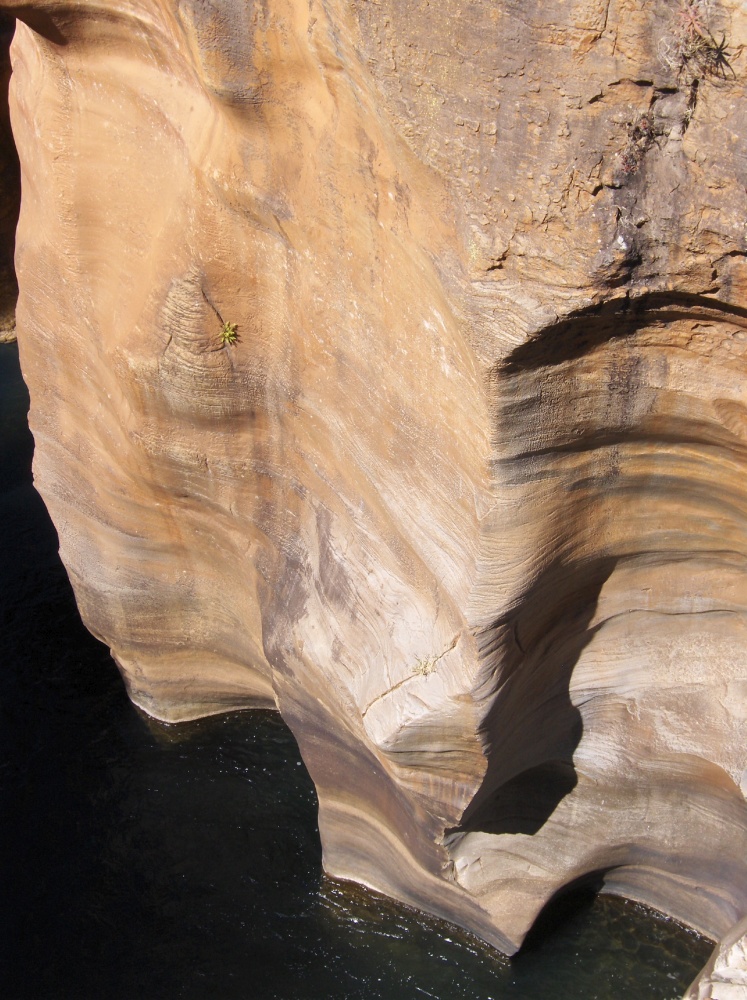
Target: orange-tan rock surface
(466, 498)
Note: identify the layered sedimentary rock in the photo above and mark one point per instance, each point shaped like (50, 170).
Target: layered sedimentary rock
(466, 498)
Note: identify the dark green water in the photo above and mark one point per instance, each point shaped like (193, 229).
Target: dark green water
(165, 862)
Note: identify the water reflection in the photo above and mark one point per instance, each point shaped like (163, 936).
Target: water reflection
(141, 860)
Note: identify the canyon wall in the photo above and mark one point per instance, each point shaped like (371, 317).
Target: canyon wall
(387, 367)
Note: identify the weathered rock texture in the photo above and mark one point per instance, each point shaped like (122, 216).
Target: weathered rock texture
(466, 500)
(725, 975)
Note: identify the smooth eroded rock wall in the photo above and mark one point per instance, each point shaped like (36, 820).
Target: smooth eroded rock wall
(466, 498)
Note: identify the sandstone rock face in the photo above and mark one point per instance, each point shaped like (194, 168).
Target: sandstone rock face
(466, 499)
(725, 975)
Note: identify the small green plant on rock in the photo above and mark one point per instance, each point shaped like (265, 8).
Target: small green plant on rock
(229, 333)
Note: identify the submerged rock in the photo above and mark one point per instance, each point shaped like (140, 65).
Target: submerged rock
(387, 367)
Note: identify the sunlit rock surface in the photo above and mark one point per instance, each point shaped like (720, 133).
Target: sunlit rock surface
(725, 975)
(466, 500)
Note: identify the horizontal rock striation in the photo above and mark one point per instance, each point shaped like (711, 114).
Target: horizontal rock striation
(465, 499)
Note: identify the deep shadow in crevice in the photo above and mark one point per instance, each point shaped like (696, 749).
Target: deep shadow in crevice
(586, 329)
(524, 803)
(533, 728)
(568, 903)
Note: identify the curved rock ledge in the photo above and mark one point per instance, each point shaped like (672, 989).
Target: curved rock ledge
(466, 499)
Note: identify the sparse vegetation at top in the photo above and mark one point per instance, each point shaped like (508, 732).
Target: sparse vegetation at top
(692, 49)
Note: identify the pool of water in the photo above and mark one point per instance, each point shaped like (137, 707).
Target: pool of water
(140, 860)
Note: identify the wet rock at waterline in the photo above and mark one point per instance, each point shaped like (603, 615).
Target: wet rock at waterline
(387, 366)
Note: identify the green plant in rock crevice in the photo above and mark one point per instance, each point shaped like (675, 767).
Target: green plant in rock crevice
(228, 331)
(229, 334)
